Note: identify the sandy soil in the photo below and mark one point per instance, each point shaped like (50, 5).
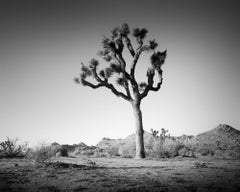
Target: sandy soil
(118, 174)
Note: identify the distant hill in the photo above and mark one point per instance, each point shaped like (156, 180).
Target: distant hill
(222, 133)
(223, 136)
(129, 140)
(106, 142)
(223, 140)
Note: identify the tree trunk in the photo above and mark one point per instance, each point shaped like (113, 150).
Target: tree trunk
(140, 153)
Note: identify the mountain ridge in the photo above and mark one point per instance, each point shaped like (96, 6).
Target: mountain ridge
(221, 132)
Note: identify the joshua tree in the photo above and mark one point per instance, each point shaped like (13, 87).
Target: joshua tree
(133, 91)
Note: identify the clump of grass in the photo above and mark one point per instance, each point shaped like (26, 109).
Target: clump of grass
(199, 164)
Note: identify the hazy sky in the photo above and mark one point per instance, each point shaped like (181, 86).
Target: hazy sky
(42, 44)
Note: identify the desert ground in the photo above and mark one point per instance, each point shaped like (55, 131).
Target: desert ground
(120, 174)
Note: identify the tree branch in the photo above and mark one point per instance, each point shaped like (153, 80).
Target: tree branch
(105, 83)
(136, 57)
(129, 46)
(150, 86)
(116, 92)
(89, 84)
(134, 63)
(127, 90)
(123, 70)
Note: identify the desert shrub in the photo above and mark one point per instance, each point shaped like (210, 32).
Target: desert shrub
(127, 151)
(112, 151)
(199, 164)
(234, 154)
(42, 153)
(87, 153)
(100, 153)
(166, 148)
(149, 146)
(205, 149)
(10, 148)
(154, 133)
(62, 152)
(186, 151)
(82, 151)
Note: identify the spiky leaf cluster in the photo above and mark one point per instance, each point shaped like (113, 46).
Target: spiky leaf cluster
(121, 81)
(115, 68)
(105, 54)
(150, 72)
(157, 59)
(140, 33)
(85, 72)
(77, 80)
(153, 44)
(106, 74)
(142, 86)
(124, 29)
(93, 64)
(115, 32)
(108, 44)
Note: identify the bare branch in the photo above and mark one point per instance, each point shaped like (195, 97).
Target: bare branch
(129, 46)
(128, 91)
(89, 84)
(150, 86)
(105, 74)
(136, 57)
(116, 92)
(119, 68)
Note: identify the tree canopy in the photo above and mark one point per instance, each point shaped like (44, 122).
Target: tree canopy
(112, 53)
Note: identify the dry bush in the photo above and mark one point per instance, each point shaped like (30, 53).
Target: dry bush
(127, 151)
(113, 151)
(79, 152)
(61, 152)
(42, 153)
(199, 164)
(205, 149)
(87, 153)
(11, 149)
(100, 153)
(167, 148)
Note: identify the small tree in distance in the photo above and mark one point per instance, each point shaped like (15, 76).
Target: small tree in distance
(134, 92)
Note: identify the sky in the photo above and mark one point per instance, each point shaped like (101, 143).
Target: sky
(42, 44)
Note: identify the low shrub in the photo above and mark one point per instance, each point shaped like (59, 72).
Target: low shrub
(42, 153)
(186, 151)
(205, 149)
(100, 153)
(62, 152)
(113, 151)
(87, 153)
(127, 151)
(11, 149)
(166, 148)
